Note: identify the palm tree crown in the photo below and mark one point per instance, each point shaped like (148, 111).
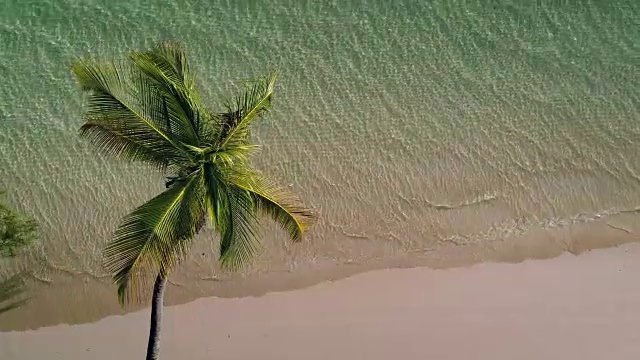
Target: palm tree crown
(148, 109)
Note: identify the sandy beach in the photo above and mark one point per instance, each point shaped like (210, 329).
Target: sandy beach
(570, 307)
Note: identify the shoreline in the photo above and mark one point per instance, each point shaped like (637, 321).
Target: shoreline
(497, 310)
(95, 300)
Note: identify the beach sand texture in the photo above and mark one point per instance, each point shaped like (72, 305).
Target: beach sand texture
(582, 308)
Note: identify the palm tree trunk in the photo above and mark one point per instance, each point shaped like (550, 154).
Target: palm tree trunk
(153, 348)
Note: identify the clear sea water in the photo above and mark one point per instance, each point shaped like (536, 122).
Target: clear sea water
(435, 133)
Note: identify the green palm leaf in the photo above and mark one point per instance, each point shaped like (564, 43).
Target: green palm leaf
(154, 237)
(278, 203)
(217, 201)
(232, 211)
(239, 241)
(252, 103)
(167, 69)
(125, 116)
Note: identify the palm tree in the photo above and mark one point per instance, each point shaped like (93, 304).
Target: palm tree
(147, 109)
(16, 232)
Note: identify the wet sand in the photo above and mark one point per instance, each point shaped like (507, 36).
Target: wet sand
(571, 307)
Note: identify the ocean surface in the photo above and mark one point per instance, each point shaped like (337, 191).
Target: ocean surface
(437, 133)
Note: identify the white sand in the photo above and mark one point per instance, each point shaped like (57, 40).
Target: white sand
(585, 307)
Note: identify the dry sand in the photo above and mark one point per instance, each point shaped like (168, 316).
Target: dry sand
(571, 307)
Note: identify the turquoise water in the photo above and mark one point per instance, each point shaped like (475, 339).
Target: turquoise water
(466, 130)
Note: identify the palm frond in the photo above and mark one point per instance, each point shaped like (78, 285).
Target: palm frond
(11, 290)
(167, 68)
(217, 201)
(127, 145)
(155, 236)
(253, 102)
(239, 242)
(232, 212)
(125, 118)
(275, 201)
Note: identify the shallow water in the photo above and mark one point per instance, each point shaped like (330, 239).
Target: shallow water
(445, 126)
